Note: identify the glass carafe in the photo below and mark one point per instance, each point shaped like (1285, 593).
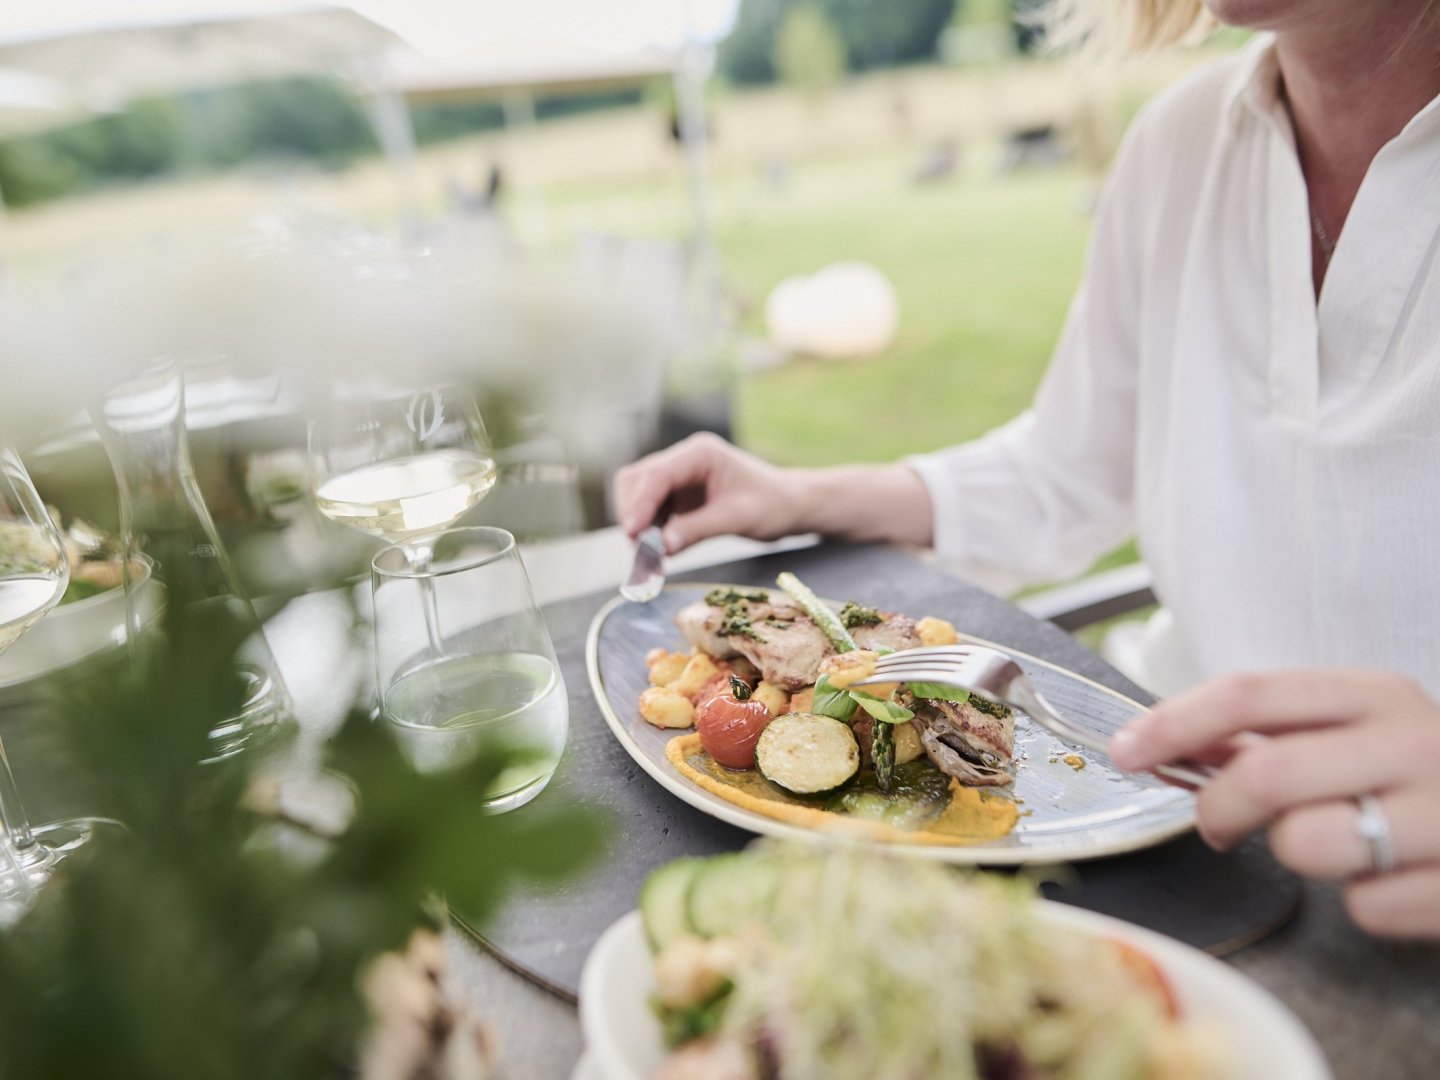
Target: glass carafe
(163, 517)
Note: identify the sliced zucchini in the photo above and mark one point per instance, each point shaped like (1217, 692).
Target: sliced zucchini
(729, 892)
(663, 900)
(918, 792)
(807, 754)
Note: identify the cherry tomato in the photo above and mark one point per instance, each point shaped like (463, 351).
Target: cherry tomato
(729, 724)
(1147, 974)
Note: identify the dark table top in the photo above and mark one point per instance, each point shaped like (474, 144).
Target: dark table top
(1373, 1006)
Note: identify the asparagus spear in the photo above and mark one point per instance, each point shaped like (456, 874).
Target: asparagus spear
(882, 752)
(882, 736)
(824, 618)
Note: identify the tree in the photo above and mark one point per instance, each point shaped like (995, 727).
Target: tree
(809, 54)
(875, 33)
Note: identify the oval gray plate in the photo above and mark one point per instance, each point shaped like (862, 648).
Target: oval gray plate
(1072, 814)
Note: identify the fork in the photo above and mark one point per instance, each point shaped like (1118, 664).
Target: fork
(995, 675)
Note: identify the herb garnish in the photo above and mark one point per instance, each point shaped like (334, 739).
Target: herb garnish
(988, 707)
(853, 615)
(724, 597)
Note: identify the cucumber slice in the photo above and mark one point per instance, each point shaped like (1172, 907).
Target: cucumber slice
(807, 754)
(823, 617)
(663, 901)
(729, 892)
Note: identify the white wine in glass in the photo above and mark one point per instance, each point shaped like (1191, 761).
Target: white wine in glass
(34, 571)
(410, 495)
(24, 602)
(399, 466)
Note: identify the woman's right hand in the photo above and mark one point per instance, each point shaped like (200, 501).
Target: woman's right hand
(713, 488)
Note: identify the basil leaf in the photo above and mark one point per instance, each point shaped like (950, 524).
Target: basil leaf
(887, 712)
(831, 701)
(938, 692)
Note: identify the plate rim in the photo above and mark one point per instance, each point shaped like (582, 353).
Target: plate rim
(964, 855)
(1176, 959)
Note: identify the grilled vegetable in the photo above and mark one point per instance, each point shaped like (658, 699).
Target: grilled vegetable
(664, 901)
(882, 753)
(807, 754)
(821, 615)
(918, 792)
(730, 723)
(729, 893)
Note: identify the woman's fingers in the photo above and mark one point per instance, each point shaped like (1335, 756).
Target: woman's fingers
(1323, 840)
(709, 519)
(1403, 904)
(1271, 776)
(1191, 723)
(642, 488)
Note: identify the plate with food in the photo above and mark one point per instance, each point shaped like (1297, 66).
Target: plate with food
(847, 963)
(738, 700)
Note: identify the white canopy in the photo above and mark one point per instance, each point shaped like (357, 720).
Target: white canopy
(106, 51)
(534, 63)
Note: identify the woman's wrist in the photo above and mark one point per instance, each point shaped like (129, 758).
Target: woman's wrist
(888, 503)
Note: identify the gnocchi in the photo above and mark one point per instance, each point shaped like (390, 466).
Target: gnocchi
(772, 697)
(933, 631)
(665, 708)
(667, 667)
(699, 670)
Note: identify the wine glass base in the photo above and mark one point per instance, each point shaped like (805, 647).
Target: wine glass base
(263, 716)
(54, 842)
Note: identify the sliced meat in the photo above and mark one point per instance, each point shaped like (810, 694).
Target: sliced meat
(895, 632)
(772, 633)
(787, 651)
(974, 747)
(700, 625)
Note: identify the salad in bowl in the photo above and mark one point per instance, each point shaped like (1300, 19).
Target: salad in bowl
(848, 963)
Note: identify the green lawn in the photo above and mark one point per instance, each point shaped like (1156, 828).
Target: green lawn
(984, 268)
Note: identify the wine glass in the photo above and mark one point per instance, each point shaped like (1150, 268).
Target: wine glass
(34, 572)
(400, 465)
(492, 684)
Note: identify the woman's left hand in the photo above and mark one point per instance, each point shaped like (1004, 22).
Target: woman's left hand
(1296, 749)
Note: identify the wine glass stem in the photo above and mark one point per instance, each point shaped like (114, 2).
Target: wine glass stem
(420, 563)
(17, 824)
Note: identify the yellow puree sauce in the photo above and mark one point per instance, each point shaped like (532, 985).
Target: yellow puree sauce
(974, 815)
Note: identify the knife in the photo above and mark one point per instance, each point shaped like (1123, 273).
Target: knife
(647, 575)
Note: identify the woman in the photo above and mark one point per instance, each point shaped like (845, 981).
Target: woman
(1249, 380)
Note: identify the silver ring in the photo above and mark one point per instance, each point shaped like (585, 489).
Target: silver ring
(1374, 828)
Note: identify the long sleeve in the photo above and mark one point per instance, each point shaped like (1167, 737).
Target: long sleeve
(1041, 497)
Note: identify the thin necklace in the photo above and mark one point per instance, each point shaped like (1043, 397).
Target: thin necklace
(1327, 246)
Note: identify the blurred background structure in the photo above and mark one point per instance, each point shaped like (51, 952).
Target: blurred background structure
(699, 153)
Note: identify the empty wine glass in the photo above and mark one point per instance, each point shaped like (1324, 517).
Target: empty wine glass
(34, 571)
(399, 465)
(491, 684)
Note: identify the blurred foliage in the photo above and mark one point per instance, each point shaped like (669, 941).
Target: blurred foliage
(207, 130)
(874, 34)
(809, 54)
(195, 943)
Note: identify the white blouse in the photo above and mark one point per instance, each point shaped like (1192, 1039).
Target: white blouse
(1279, 459)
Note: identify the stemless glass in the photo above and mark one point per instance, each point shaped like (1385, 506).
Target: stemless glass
(34, 571)
(487, 681)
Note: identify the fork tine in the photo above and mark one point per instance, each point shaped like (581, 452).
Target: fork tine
(940, 650)
(933, 675)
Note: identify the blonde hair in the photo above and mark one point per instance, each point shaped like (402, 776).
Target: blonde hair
(1123, 28)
